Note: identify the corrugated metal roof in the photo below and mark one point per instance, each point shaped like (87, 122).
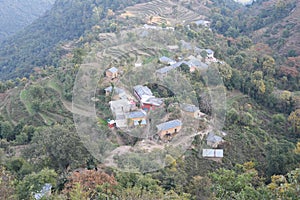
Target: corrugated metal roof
(194, 62)
(151, 100)
(177, 64)
(165, 59)
(212, 153)
(211, 137)
(116, 90)
(142, 90)
(202, 22)
(113, 70)
(169, 68)
(137, 114)
(169, 125)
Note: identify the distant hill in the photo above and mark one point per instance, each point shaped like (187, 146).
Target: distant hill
(16, 14)
(276, 23)
(35, 46)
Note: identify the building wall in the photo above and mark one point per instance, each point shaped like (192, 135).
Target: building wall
(169, 131)
(111, 75)
(135, 119)
(149, 106)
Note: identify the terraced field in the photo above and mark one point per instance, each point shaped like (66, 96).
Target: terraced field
(172, 12)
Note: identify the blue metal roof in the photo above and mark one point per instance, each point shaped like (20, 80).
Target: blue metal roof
(169, 68)
(113, 70)
(137, 114)
(169, 125)
(209, 51)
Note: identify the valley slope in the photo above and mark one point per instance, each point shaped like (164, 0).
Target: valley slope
(15, 14)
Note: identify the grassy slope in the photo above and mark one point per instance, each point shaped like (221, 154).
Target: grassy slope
(18, 106)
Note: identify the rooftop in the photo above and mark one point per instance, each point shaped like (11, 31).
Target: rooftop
(169, 68)
(115, 89)
(164, 70)
(137, 114)
(177, 64)
(142, 90)
(212, 153)
(189, 107)
(211, 137)
(165, 59)
(152, 100)
(197, 63)
(121, 123)
(46, 188)
(113, 70)
(169, 125)
(120, 105)
(209, 51)
(202, 22)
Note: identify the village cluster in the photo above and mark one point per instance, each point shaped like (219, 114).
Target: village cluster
(130, 108)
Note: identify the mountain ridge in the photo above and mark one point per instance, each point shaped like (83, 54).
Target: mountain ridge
(16, 14)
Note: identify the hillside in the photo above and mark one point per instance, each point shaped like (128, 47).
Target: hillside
(277, 24)
(38, 45)
(15, 15)
(160, 99)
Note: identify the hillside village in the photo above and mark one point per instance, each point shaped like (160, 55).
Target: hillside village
(130, 108)
(152, 99)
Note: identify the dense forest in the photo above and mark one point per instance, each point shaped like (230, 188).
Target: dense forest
(41, 65)
(16, 15)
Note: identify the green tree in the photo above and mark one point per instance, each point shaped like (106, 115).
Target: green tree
(278, 121)
(57, 147)
(6, 131)
(239, 184)
(34, 182)
(19, 166)
(268, 66)
(233, 116)
(294, 119)
(285, 187)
